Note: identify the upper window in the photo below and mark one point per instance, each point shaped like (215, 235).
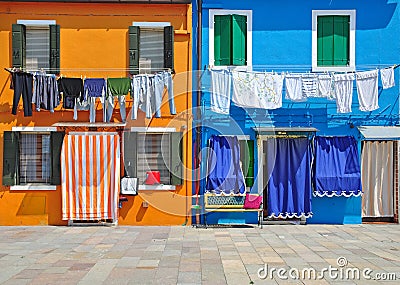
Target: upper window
(155, 158)
(151, 47)
(333, 40)
(31, 156)
(36, 45)
(230, 38)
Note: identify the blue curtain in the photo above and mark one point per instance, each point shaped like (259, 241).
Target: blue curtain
(224, 171)
(289, 171)
(337, 167)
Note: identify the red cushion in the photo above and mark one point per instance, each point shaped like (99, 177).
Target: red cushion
(252, 201)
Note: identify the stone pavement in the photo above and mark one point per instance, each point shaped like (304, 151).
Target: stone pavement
(186, 255)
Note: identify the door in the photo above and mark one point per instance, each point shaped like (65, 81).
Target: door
(377, 175)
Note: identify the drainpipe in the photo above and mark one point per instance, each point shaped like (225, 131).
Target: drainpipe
(196, 152)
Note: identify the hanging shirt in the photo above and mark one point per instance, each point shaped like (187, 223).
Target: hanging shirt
(309, 85)
(71, 88)
(294, 91)
(325, 86)
(95, 87)
(257, 90)
(221, 91)
(118, 86)
(387, 77)
(343, 92)
(45, 92)
(367, 89)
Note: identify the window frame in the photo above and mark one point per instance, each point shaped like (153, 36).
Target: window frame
(153, 26)
(54, 44)
(35, 186)
(249, 37)
(352, 34)
(160, 131)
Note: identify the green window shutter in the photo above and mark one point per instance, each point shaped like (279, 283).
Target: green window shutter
(54, 49)
(341, 40)
(130, 154)
(18, 45)
(239, 39)
(325, 41)
(10, 158)
(56, 141)
(176, 167)
(134, 38)
(169, 47)
(247, 158)
(222, 40)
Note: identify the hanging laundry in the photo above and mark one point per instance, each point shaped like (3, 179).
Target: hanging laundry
(257, 90)
(95, 88)
(387, 77)
(117, 87)
(161, 80)
(309, 85)
(143, 91)
(337, 167)
(221, 91)
(367, 90)
(294, 91)
(224, 171)
(289, 177)
(71, 88)
(343, 84)
(325, 86)
(23, 85)
(138, 87)
(45, 92)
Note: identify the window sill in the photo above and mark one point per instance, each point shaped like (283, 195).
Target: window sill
(333, 68)
(34, 187)
(233, 67)
(157, 187)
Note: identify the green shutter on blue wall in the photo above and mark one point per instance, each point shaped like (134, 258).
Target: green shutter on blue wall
(333, 36)
(247, 158)
(239, 36)
(134, 37)
(341, 41)
(18, 45)
(54, 49)
(222, 40)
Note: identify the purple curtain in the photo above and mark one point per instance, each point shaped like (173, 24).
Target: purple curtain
(337, 167)
(224, 171)
(289, 171)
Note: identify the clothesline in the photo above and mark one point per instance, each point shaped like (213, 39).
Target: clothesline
(264, 90)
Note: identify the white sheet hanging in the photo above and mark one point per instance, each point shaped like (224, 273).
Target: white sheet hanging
(325, 86)
(294, 91)
(221, 91)
(344, 92)
(387, 77)
(257, 90)
(367, 90)
(377, 179)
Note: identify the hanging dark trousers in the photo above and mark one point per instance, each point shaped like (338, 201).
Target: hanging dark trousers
(23, 84)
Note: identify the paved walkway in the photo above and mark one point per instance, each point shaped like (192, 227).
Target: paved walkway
(186, 255)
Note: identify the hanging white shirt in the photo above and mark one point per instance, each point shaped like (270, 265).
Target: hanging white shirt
(221, 91)
(367, 89)
(325, 86)
(309, 85)
(387, 77)
(343, 91)
(294, 91)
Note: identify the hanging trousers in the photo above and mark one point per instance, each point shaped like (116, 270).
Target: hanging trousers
(23, 85)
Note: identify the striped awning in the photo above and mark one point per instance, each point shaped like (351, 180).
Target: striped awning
(90, 176)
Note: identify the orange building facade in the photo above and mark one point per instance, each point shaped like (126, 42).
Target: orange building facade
(95, 41)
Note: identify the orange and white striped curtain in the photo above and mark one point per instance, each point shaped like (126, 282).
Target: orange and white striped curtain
(90, 175)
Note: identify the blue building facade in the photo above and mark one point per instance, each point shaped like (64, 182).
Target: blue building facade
(304, 38)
